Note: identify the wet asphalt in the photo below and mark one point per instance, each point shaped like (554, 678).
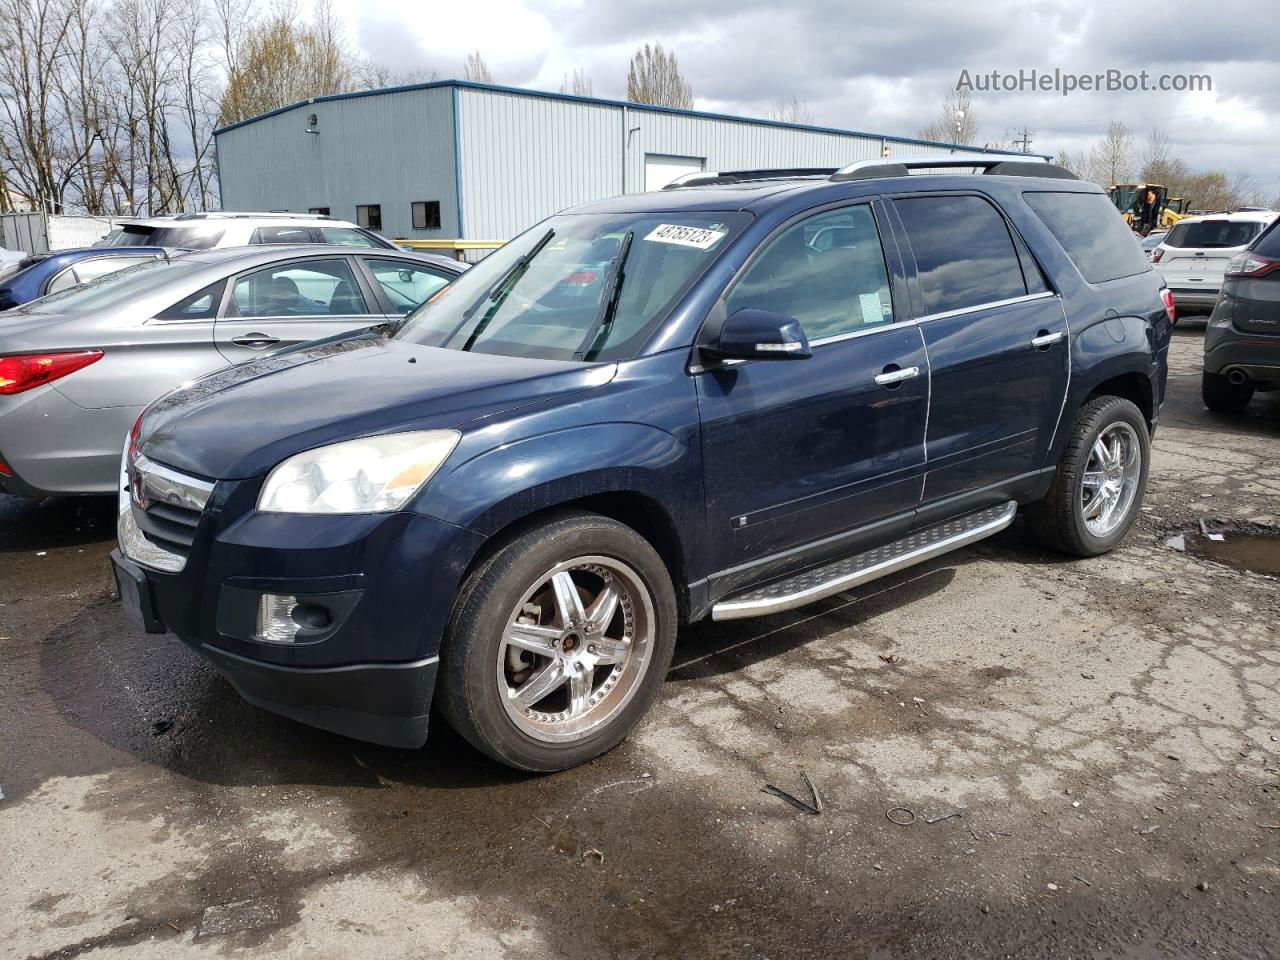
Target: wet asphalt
(1105, 735)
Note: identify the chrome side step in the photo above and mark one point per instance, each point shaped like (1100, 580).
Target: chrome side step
(810, 585)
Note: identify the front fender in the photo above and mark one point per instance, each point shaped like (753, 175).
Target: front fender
(507, 483)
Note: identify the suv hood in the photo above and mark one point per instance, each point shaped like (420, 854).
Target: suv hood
(243, 420)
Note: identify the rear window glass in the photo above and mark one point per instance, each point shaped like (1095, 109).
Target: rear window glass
(188, 238)
(1268, 244)
(1092, 232)
(1209, 234)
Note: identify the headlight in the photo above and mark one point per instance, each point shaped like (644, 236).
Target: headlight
(370, 475)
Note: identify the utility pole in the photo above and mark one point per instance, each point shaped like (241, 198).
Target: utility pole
(1025, 141)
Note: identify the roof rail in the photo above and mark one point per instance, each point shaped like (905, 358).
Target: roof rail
(996, 164)
(709, 178)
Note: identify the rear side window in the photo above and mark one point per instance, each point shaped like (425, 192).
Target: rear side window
(201, 305)
(1092, 232)
(964, 254)
(1268, 244)
(1209, 234)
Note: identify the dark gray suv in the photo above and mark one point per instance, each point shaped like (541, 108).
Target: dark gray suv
(1242, 342)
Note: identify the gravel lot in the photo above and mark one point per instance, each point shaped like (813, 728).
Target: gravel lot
(1108, 732)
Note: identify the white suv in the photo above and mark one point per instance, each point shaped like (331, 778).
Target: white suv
(201, 231)
(1195, 252)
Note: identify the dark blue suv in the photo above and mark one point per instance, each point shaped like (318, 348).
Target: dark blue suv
(726, 399)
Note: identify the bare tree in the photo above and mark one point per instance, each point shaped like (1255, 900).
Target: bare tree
(1112, 160)
(789, 110)
(654, 77)
(956, 121)
(475, 69)
(579, 84)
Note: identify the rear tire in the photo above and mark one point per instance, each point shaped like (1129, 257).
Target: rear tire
(1097, 491)
(558, 643)
(1222, 396)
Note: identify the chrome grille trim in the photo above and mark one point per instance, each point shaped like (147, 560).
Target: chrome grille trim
(163, 485)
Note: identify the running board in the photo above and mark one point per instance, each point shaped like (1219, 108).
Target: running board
(824, 581)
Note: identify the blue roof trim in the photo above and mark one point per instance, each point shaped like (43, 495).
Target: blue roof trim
(602, 102)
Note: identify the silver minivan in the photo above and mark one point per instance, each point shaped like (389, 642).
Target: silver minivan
(78, 366)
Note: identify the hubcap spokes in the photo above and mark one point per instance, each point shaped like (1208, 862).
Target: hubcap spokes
(575, 649)
(1111, 475)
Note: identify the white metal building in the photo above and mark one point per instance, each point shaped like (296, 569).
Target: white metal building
(464, 160)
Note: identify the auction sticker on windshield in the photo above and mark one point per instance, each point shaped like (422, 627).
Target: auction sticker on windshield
(699, 237)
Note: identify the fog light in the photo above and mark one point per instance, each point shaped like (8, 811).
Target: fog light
(275, 619)
(283, 618)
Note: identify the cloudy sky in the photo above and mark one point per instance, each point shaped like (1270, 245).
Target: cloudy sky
(884, 69)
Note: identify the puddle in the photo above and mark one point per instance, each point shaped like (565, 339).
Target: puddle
(1258, 552)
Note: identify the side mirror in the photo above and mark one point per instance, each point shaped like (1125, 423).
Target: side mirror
(406, 276)
(759, 335)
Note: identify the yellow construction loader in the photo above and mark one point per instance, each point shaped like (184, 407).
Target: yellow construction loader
(1170, 209)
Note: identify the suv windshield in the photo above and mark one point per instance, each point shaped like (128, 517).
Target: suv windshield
(585, 286)
(189, 238)
(113, 288)
(1213, 233)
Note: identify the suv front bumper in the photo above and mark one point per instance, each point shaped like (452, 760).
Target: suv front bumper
(371, 672)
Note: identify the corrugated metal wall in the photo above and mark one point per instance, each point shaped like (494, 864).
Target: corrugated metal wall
(526, 156)
(390, 149)
(523, 155)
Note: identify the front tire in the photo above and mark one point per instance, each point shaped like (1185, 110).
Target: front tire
(1222, 396)
(1097, 491)
(558, 644)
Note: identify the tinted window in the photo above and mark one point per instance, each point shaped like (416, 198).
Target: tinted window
(346, 237)
(370, 216)
(201, 305)
(827, 271)
(1092, 232)
(1212, 233)
(266, 235)
(964, 254)
(406, 285)
(1268, 244)
(309, 289)
(189, 238)
(426, 215)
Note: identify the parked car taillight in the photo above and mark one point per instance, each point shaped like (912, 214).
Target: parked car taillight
(1169, 307)
(1251, 265)
(27, 371)
(1159, 252)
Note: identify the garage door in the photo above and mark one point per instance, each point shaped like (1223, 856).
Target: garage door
(659, 169)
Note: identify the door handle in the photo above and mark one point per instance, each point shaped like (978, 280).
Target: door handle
(1046, 340)
(255, 341)
(892, 377)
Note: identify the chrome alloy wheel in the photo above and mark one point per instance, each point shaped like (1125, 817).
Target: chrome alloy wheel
(575, 649)
(1111, 477)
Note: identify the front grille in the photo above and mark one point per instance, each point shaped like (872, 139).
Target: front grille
(164, 509)
(168, 525)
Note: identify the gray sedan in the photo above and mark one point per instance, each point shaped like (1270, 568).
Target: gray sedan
(78, 366)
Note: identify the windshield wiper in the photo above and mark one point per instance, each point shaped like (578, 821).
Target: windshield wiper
(603, 319)
(498, 292)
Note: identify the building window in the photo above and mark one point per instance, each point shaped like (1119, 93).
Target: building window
(370, 216)
(319, 211)
(426, 215)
